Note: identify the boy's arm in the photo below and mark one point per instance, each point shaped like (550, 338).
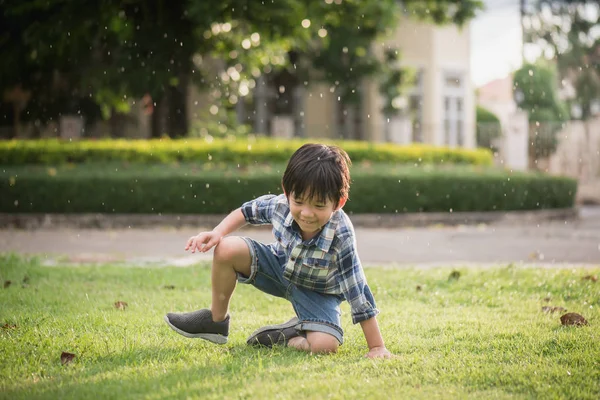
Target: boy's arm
(257, 211)
(374, 339)
(357, 293)
(205, 241)
(231, 223)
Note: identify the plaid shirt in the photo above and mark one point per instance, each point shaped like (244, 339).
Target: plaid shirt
(328, 263)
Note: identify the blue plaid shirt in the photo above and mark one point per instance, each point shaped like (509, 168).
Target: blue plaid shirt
(328, 263)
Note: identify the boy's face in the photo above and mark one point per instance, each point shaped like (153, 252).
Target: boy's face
(310, 214)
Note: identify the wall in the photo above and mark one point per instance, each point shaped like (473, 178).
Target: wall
(578, 151)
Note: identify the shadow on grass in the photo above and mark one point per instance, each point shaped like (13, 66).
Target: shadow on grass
(162, 372)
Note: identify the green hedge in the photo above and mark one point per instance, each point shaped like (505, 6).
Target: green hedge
(244, 152)
(375, 190)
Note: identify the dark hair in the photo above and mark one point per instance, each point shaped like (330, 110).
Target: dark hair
(319, 171)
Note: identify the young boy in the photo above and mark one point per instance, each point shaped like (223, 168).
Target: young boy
(313, 263)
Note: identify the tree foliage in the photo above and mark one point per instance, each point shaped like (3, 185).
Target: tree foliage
(536, 91)
(93, 57)
(489, 128)
(567, 31)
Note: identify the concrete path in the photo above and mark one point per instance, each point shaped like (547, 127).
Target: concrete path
(549, 243)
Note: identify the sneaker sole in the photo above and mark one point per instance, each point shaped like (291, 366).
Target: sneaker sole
(292, 322)
(211, 337)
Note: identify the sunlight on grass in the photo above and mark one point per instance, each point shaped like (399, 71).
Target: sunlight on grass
(483, 335)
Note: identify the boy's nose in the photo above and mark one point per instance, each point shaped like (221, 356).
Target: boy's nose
(307, 212)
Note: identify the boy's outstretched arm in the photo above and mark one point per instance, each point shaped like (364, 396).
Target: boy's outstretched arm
(374, 339)
(205, 241)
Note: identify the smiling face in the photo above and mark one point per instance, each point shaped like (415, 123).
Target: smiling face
(316, 182)
(312, 214)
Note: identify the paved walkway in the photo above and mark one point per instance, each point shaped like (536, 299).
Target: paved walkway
(549, 243)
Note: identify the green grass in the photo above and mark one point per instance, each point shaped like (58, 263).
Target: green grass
(482, 336)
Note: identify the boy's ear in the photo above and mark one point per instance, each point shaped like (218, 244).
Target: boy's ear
(342, 203)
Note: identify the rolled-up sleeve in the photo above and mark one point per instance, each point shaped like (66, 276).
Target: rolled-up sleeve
(260, 210)
(353, 283)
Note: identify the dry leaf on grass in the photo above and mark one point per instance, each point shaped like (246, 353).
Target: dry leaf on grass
(573, 319)
(120, 305)
(592, 278)
(536, 255)
(454, 275)
(66, 358)
(9, 326)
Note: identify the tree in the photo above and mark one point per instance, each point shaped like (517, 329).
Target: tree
(488, 128)
(567, 32)
(103, 53)
(536, 91)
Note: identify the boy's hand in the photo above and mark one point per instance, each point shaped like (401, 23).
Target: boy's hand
(379, 352)
(203, 242)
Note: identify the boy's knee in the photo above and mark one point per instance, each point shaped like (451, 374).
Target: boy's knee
(232, 251)
(228, 248)
(322, 342)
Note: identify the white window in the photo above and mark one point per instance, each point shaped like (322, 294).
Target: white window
(454, 112)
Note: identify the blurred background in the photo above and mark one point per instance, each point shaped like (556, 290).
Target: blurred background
(518, 77)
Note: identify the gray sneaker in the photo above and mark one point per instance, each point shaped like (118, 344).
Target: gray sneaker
(271, 335)
(199, 324)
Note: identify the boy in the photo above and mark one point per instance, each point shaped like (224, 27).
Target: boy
(313, 263)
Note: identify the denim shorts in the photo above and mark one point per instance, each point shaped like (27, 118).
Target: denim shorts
(316, 311)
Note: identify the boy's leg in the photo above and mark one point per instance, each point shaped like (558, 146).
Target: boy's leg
(315, 342)
(317, 328)
(231, 256)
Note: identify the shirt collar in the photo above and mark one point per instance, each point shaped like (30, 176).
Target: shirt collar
(325, 237)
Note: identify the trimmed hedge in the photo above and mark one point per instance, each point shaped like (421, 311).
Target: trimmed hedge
(243, 152)
(215, 192)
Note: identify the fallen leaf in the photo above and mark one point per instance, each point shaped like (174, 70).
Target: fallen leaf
(454, 275)
(573, 319)
(171, 287)
(550, 309)
(9, 326)
(536, 255)
(66, 358)
(120, 305)
(592, 278)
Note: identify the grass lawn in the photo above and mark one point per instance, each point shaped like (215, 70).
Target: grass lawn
(481, 336)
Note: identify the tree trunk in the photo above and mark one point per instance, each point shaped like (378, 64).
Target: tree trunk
(170, 114)
(177, 122)
(117, 124)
